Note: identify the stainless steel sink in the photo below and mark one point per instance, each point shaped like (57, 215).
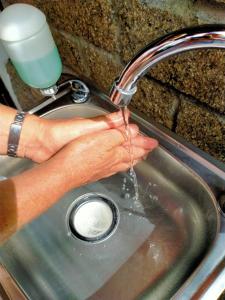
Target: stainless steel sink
(159, 246)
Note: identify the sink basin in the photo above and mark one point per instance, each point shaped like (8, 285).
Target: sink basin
(158, 242)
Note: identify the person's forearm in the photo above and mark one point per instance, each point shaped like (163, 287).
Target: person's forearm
(25, 196)
(29, 133)
(7, 116)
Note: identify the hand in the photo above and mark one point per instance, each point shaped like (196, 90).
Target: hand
(102, 154)
(86, 159)
(42, 138)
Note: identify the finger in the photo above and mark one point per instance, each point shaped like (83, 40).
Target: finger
(74, 128)
(113, 120)
(135, 154)
(122, 167)
(143, 142)
(138, 153)
(108, 121)
(124, 155)
(130, 131)
(127, 166)
(109, 139)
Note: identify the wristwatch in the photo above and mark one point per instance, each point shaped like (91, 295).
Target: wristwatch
(14, 133)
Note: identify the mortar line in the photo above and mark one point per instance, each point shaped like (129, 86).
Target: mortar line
(189, 98)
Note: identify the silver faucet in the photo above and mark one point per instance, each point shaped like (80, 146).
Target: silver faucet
(206, 36)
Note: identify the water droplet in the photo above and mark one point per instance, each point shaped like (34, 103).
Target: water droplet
(137, 204)
(127, 196)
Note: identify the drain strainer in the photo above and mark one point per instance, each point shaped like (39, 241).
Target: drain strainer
(92, 217)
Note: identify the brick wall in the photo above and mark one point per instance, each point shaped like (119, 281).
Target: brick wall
(186, 93)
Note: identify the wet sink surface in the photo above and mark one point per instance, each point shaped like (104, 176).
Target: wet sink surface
(158, 242)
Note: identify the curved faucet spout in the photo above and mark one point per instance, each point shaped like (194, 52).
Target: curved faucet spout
(207, 36)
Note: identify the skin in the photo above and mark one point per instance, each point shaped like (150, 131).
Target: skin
(70, 153)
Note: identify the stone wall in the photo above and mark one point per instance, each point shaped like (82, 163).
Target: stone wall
(186, 93)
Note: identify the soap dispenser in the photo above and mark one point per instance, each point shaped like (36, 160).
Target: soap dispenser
(28, 41)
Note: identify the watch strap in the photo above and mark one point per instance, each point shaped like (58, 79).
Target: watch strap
(14, 134)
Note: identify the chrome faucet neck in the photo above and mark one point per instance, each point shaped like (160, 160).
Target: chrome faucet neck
(206, 36)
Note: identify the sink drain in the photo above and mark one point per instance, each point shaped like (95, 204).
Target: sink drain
(92, 217)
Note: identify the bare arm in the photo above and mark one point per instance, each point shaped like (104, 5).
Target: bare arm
(28, 140)
(24, 197)
(40, 139)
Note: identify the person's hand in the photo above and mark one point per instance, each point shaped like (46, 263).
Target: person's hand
(41, 139)
(102, 154)
(86, 159)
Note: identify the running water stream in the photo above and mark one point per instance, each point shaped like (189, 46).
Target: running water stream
(131, 172)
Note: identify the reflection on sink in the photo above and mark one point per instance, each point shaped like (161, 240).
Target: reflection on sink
(159, 241)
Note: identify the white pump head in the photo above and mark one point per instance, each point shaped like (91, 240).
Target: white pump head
(20, 21)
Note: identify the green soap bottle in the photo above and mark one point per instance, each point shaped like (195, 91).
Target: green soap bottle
(28, 41)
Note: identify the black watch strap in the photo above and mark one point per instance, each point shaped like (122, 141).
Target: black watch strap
(14, 134)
